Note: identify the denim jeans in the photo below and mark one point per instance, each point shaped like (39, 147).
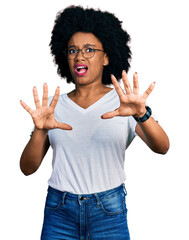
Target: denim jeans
(87, 216)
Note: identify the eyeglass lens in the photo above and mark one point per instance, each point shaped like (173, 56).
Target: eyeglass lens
(87, 52)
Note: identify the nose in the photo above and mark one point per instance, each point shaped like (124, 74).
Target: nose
(79, 55)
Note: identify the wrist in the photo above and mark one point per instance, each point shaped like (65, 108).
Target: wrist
(42, 131)
(145, 116)
(141, 114)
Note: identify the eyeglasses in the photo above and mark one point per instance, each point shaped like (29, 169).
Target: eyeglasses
(87, 52)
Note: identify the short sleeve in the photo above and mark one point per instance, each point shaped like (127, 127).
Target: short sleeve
(131, 130)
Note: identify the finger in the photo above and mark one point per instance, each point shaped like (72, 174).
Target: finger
(126, 83)
(45, 95)
(118, 88)
(63, 126)
(109, 115)
(149, 90)
(135, 84)
(36, 97)
(55, 98)
(26, 107)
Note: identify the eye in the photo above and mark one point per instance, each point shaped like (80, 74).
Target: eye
(88, 50)
(72, 51)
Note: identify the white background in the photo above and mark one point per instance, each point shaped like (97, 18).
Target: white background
(157, 185)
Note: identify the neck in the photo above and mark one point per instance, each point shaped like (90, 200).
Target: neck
(88, 90)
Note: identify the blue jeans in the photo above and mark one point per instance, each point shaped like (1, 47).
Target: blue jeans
(87, 216)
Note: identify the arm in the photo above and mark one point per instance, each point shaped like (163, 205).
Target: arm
(44, 119)
(34, 152)
(133, 104)
(153, 135)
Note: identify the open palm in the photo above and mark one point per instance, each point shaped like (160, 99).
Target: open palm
(131, 103)
(43, 116)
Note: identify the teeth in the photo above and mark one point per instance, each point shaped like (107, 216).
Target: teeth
(81, 67)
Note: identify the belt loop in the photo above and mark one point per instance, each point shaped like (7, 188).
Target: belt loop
(98, 199)
(63, 197)
(124, 189)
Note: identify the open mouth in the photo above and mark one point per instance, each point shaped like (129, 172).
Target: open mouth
(81, 70)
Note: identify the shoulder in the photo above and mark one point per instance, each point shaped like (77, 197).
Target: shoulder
(61, 97)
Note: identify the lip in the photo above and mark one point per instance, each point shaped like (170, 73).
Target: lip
(80, 74)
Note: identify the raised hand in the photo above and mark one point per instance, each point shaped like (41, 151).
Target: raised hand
(43, 116)
(131, 103)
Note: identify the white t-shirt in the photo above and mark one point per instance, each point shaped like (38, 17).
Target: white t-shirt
(89, 158)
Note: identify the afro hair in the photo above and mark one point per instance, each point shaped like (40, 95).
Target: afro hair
(105, 26)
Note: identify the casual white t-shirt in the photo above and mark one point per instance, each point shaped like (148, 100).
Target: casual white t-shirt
(89, 158)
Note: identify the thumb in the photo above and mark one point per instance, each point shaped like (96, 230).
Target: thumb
(63, 126)
(109, 115)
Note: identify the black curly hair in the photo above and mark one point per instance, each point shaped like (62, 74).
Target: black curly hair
(105, 26)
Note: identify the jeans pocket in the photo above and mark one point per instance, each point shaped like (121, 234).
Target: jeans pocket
(113, 205)
(53, 201)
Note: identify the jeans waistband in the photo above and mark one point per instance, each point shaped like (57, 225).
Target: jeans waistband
(87, 198)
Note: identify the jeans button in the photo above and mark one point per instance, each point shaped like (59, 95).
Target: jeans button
(81, 198)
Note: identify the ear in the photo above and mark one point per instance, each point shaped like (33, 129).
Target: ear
(106, 60)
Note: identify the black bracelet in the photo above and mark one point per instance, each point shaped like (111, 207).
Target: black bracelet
(146, 115)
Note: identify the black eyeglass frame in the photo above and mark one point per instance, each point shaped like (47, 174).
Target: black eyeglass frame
(79, 49)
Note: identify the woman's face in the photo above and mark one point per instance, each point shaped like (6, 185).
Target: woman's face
(86, 71)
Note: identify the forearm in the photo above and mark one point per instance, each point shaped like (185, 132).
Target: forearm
(34, 152)
(153, 135)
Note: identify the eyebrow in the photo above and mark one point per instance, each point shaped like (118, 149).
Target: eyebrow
(86, 45)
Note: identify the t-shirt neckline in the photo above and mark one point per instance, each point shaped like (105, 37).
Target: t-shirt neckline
(92, 106)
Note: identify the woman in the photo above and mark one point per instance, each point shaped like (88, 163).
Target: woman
(89, 128)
